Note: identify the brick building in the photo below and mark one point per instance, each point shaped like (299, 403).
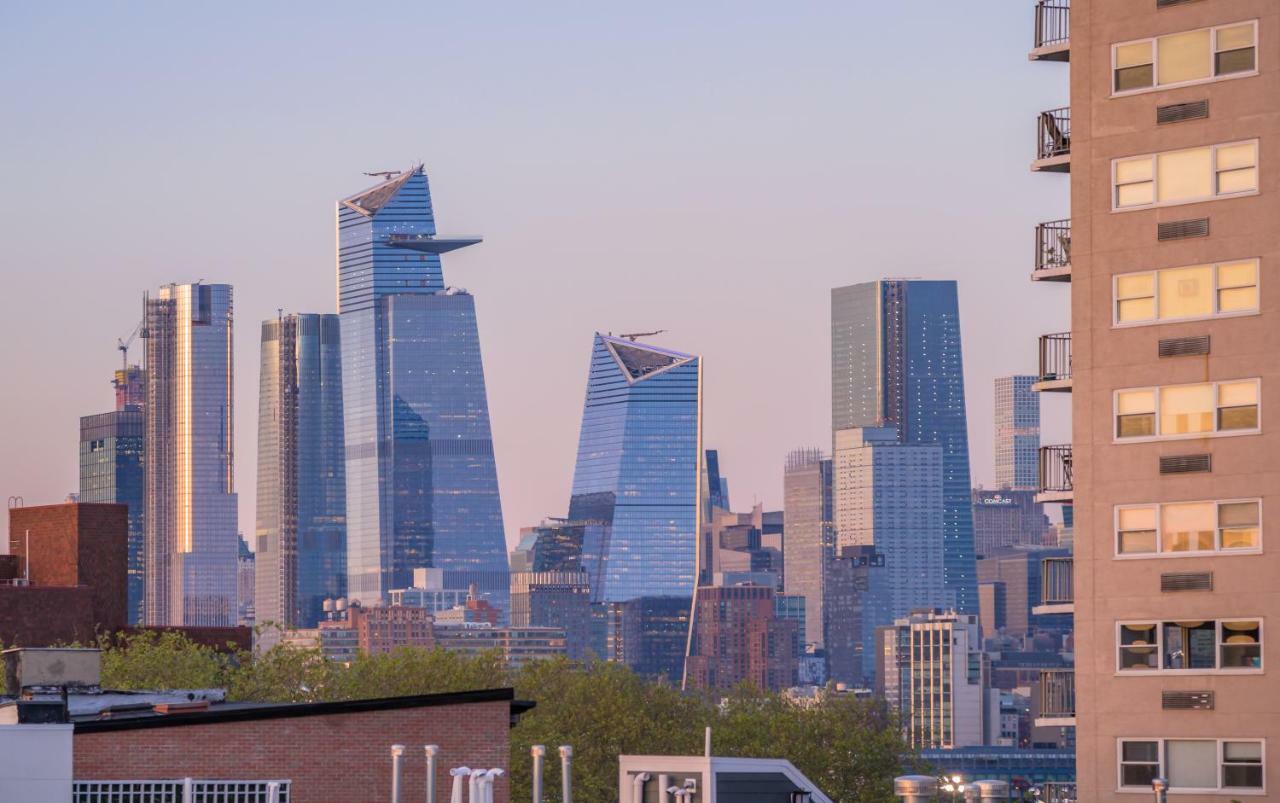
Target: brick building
(66, 578)
(738, 637)
(326, 752)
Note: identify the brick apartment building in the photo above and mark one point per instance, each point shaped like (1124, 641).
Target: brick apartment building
(738, 637)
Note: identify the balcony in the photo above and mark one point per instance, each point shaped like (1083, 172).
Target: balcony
(1055, 474)
(1053, 252)
(1055, 364)
(1057, 698)
(1053, 141)
(1053, 31)
(180, 790)
(1056, 792)
(1057, 594)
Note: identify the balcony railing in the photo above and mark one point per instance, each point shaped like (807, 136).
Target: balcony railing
(1053, 246)
(1057, 693)
(1053, 135)
(1053, 23)
(1055, 358)
(182, 790)
(1055, 469)
(1056, 792)
(1056, 578)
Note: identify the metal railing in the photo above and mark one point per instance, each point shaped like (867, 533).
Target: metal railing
(1055, 357)
(1053, 133)
(1053, 245)
(1056, 578)
(1053, 22)
(1057, 692)
(1056, 792)
(1055, 468)
(182, 790)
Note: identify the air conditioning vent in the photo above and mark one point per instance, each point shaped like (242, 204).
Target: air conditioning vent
(1186, 581)
(1184, 346)
(1183, 229)
(1180, 112)
(1185, 464)
(1186, 700)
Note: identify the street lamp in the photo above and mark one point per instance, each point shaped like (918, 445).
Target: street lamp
(954, 784)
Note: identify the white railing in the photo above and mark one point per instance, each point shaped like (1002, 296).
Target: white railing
(182, 790)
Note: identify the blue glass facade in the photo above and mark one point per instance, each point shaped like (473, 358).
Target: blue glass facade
(637, 471)
(300, 544)
(896, 361)
(111, 470)
(422, 486)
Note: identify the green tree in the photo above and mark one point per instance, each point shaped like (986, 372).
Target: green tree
(163, 660)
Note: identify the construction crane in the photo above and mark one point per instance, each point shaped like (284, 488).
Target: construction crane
(386, 175)
(123, 344)
(633, 335)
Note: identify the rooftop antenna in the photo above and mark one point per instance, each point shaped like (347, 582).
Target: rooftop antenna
(387, 175)
(633, 335)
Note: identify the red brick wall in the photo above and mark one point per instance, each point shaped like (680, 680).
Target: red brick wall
(333, 758)
(35, 616)
(216, 637)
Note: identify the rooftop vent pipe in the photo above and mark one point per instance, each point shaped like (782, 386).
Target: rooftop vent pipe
(637, 787)
(431, 750)
(566, 773)
(397, 769)
(916, 788)
(474, 794)
(458, 773)
(538, 752)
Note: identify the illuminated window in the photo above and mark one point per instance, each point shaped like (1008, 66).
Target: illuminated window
(1195, 291)
(1185, 176)
(1187, 410)
(1135, 297)
(1190, 57)
(1190, 645)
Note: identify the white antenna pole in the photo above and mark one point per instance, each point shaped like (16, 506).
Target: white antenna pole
(706, 749)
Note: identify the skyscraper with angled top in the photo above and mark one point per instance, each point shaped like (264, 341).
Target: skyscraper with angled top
(422, 485)
(896, 362)
(638, 470)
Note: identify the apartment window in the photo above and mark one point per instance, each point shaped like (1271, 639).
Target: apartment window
(1187, 293)
(1191, 57)
(1185, 176)
(1190, 645)
(1175, 411)
(1192, 765)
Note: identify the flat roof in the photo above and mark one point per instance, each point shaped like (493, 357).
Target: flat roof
(245, 712)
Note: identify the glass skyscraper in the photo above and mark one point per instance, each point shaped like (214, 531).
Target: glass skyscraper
(112, 470)
(896, 362)
(300, 542)
(637, 472)
(1017, 447)
(422, 484)
(808, 535)
(190, 513)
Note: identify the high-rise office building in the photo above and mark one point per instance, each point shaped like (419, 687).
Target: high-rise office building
(554, 599)
(1017, 432)
(934, 672)
(300, 541)
(1172, 106)
(896, 362)
(850, 631)
(1008, 518)
(422, 485)
(112, 451)
(889, 495)
(809, 533)
(190, 505)
(638, 470)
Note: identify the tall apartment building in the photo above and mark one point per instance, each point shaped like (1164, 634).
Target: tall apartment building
(896, 362)
(1173, 222)
(810, 534)
(889, 496)
(300, 538)
(740, 638)
(422, 483)
(1017, 432)
(112, 469)
(192, 538)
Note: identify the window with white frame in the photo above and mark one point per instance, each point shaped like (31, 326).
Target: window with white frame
(1185, 176)
(1187, 293)
(1192, 765)
(1178, 411)
(1190, 57)
(1189, 645)
(1188, 528)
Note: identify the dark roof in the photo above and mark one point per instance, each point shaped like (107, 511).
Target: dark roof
(244, 712)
